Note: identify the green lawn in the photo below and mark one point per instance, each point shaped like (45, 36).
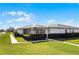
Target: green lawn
(26, 35)
(20, 39)
(41, 48)
(73, 40)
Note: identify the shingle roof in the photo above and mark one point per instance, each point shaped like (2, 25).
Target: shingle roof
(48, 25)
(35, 25)
(59, 26)
(31, 26)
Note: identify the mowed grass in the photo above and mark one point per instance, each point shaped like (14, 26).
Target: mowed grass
(41, 48)
(20, 39)
(73, 40)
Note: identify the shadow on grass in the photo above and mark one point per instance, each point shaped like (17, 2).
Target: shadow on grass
(59, 39)
(65, 39)
(34, 40)
(39, 41)
(38, 38)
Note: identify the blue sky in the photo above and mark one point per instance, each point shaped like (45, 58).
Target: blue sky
(22, 14)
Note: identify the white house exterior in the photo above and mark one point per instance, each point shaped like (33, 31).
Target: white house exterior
(59, 29)
(76, 30)
(50, 29)
(20, 31)
(32, 29)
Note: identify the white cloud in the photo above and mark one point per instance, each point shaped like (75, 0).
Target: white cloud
(1, 23)
(9, 21)
(12, 13)
(22, 19)
(52, 21)
(23, 16)
(20, 13)
(69, 22)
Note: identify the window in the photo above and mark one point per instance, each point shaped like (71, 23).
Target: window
(40, 30)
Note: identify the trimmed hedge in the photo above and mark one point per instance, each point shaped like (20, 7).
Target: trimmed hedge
(38, 36)
(17, 34)
(21, 35)
(28, 38)
(43, 36)
(67, 35)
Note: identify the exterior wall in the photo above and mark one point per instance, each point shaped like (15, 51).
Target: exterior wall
(26, 31)
(37, 31)
(59, 31)
(33, 31)
(20, 31)
(69, 30)
(76, 30)
(45, 31)
(52, 31)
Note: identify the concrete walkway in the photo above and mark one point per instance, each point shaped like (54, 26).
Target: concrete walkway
(71, 43)
(13, 40)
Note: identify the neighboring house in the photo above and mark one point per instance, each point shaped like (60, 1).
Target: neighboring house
(50, 29)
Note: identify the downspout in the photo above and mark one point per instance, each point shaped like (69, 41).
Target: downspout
(47, 33)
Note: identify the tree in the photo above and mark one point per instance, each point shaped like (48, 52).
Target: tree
(10, 29)
(2, 30)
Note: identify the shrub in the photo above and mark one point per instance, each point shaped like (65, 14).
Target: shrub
(38, 36)
(17, 34)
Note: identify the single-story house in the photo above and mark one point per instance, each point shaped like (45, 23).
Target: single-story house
(51, 30)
